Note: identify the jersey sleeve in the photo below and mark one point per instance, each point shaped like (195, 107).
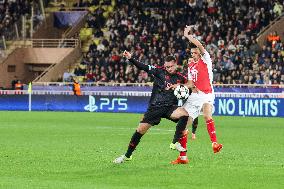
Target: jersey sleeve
(148, 68)
(207, 59)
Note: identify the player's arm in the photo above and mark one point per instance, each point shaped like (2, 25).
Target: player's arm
(190, 85)
(193, 40)
(140, 65)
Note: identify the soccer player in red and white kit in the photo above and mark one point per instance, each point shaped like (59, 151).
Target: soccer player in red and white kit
(200, 78)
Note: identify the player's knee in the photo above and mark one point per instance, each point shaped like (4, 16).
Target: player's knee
(184, 132)
(189, 121)
(207, 117)
(142, 129)
(183, 112)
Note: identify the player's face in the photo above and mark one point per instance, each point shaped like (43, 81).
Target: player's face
(195, 53)
(171, 66)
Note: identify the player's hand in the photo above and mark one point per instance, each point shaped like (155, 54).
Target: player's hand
(194, 90)
(127, 54)
(188, 29)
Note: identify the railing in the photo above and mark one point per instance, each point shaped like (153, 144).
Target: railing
(269, 25)
(76, 28)
(52, 66)
(44, 72)
(250, 85)
(67, 8)
(134, 93)
(150, 84)
(46, 43)
(54, 43)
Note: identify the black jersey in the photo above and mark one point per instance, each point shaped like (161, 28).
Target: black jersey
(162, 79)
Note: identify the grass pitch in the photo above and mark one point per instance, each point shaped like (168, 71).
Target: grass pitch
(75, 150)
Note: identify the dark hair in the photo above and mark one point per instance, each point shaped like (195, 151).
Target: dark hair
(170, 58)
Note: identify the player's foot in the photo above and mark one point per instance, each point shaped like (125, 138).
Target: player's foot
(193, 137)
(122, 159)
(177, 146)
(216, 147)
(180, 161)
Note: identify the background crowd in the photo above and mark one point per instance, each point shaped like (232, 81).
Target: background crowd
(11, 13)
(152, 29)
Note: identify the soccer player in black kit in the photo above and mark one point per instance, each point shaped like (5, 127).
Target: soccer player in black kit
(162, 104)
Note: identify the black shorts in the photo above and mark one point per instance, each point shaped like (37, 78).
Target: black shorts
(154, 115)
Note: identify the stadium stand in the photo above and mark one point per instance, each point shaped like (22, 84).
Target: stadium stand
(41, 53)
(153, 29)
(11, 12)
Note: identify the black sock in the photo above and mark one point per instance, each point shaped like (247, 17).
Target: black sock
(181, 125)
(194, 125)
(133, 143)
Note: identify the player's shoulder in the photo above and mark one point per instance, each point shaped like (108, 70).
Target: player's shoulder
(160, 67)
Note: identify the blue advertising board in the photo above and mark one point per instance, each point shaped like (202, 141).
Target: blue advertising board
(262, 107)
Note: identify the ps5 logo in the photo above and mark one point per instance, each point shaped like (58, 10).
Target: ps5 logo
(92, 104)
(106, 104)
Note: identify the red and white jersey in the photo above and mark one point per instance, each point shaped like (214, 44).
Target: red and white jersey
(201, 74)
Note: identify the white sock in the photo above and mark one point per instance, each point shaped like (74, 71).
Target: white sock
(183, 157)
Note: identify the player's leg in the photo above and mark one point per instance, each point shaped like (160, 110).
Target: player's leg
(181, 115)
(194, 127)
(134, 141)
(182, 158)
(150, 118)
(193, 112)
(207, 114)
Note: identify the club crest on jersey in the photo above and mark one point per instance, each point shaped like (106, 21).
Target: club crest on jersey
(168, 84)
(151, 67)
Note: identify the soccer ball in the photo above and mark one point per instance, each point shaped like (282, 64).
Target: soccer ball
(181, 92)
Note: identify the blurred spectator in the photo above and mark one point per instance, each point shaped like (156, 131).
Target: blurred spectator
(19, 86)
(76, 87)
(258, 79)
(68, 76)
(272, 39)
(13, 83)
(277, 9)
